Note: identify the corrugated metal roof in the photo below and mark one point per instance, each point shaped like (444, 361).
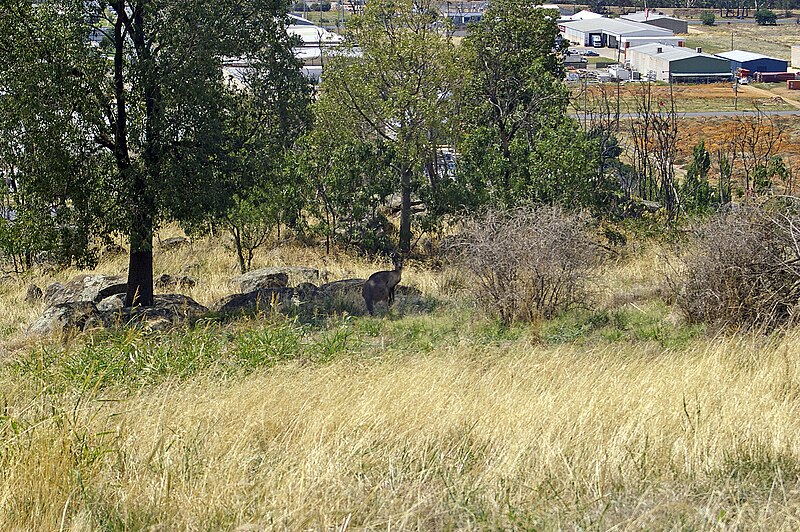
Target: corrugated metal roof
(617, 26)
(742, 56)
(640, 16)
(669, 53)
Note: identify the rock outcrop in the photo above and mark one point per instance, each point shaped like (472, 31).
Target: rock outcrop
(93, 288)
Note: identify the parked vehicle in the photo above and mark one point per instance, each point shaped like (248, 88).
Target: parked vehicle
(597, 41)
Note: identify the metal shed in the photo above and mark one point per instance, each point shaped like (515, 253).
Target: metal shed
(753, 62)
(611, 31)
(667, 63)
(657, 19)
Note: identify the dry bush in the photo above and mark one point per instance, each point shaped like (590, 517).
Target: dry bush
(741, 270)
(529, 263)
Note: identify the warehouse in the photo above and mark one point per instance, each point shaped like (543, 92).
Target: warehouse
(659, 20)
(667, 63)
(796, 56)
(608, 32)
(753, 62)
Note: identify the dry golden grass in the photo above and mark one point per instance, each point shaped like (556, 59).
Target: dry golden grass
(208, 260)
(514, 436)
(472, 429)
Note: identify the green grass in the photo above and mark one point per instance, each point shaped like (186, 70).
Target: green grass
(134, 358)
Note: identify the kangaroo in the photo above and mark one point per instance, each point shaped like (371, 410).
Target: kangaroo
(380, 286)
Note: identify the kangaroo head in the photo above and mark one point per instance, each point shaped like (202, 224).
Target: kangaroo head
(397, 260)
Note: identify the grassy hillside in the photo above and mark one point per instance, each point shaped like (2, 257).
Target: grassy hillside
(432, 417)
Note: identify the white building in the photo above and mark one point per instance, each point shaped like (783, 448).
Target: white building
(610, 32)
(668, 63)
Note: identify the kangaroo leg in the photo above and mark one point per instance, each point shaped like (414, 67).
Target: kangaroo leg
(390, 302)
(370, 306)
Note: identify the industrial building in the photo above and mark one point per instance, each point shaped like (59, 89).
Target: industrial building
(753, 62)
(659, 20)
(606, 32)
(315, 40)
(796, 56)
(668, 63)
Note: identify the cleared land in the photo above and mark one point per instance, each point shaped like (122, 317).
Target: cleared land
(432, 418)
(774, 41)
(688, 97)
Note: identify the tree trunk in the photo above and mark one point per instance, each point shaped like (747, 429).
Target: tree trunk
(405, 211)
(140, 267)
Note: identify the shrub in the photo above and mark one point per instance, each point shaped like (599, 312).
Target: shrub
(528, 263)
(741, 270)
(707, 18)
(766, 17)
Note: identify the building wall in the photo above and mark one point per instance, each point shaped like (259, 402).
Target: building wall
(765, 65)
(796, 56)
(663, 68)
(701, 65)
(645, 63)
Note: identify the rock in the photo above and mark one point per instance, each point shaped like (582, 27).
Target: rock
(176, 242)
(167, 281)
(63, 318)
(343, 287)
(34, 294)
(111, 303)
(93, 288)
(168, 310)
(51, 291)
(254, 300)
(305, 292)
(262, 279)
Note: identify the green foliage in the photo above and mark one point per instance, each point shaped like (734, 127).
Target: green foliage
(765, 17)
(124, 135)
(353, 182)
(394, 96)
(695, 192)
(516, 143)
(707, 18)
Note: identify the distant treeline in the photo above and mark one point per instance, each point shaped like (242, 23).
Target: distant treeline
(726, 8)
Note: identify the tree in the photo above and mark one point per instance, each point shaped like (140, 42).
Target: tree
(695, 191)
(765, 17)
(707, 18)
(396, 95)
(517, 140)
(154, 103)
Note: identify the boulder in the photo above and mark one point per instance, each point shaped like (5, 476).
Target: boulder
(343, 287)
(254, 300)
(91, 288)
(262, 279)
(176, 242)
(111, 303)
(63, 318)
(34, 294)
(168, 310)
(167, 281)
(305, 292)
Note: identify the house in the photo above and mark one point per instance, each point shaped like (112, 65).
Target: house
(668, 63)
(659, 20)
(753, 62)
